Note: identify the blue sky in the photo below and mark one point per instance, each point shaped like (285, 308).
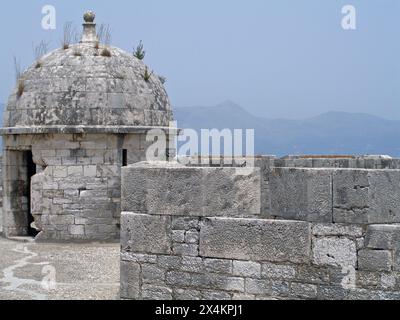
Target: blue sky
(277, 58)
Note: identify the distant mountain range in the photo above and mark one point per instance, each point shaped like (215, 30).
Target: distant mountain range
(328, 133)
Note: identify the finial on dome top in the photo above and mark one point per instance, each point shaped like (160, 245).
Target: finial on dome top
(89, 16)
(89, 28)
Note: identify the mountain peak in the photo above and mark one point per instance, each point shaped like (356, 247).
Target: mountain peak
(229, 104)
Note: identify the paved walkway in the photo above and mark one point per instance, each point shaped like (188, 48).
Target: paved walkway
(58, 271)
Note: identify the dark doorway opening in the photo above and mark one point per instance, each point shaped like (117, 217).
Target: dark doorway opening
(31, 171)
(124, 157)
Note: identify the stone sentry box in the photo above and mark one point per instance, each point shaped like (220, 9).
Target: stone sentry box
(75, 117)
(199, 233)
(74, 193)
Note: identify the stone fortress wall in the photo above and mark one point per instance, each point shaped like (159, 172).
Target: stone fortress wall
(294, 228)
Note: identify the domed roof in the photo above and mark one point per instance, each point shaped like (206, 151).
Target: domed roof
(88, 84)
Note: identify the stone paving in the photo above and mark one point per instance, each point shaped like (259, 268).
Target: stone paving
(81, 271)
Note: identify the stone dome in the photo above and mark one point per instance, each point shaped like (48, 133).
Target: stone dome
(88, 84)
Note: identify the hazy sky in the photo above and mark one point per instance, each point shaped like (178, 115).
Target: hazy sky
(276, 58)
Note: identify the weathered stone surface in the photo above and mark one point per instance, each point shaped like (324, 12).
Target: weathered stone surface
(187, 294)
(367, 279)
(218, 265)
(396, 262)
(334, 251)
(301, 194)
(145, 233)
(185, 223)
(88, 90)
(375, 260)
(337, 229)
(185, 249)
(192, 264)
(257, 240)
(160, 188)
(302, 290)
(169, 262)
(138, 257)
(275, 271)
(366, 196)
(152, 274)
(178, 278)
(178, 236)
(152, 292)
(247, 258)
(388, 281)
(383, 237)
(215, 295)
(130, 280)
(218, 282)
(267, 287)
(246, 269)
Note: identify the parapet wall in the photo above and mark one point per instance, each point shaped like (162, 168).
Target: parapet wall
(203, 233)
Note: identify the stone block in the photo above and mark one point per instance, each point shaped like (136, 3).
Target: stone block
(396, 262)
(246, 269)
(243, 297)
(60, 171)
(172, 189)
(64, 220)
(301, 194)
(365, 279)
(215, 295)
(328, 292)
(89, 170)
(256, 240)
(366, 196)
(375, 260)
(187, 294)
(185, 223)
(336, 229)
(152, 274)
(192, 264)
(267, 287)
(169, 262)
(178, 279)
(138, 257)
(77, 230)
(145, 234)
(388, 281)
(385, 237)
(192, 237)
(303, 290)
(217, 282)
(75, 171)
(334, 251)
(275, 271)
(218, 265)
(130, 280)
(178, 236)
(151, 292)
(184, 249)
